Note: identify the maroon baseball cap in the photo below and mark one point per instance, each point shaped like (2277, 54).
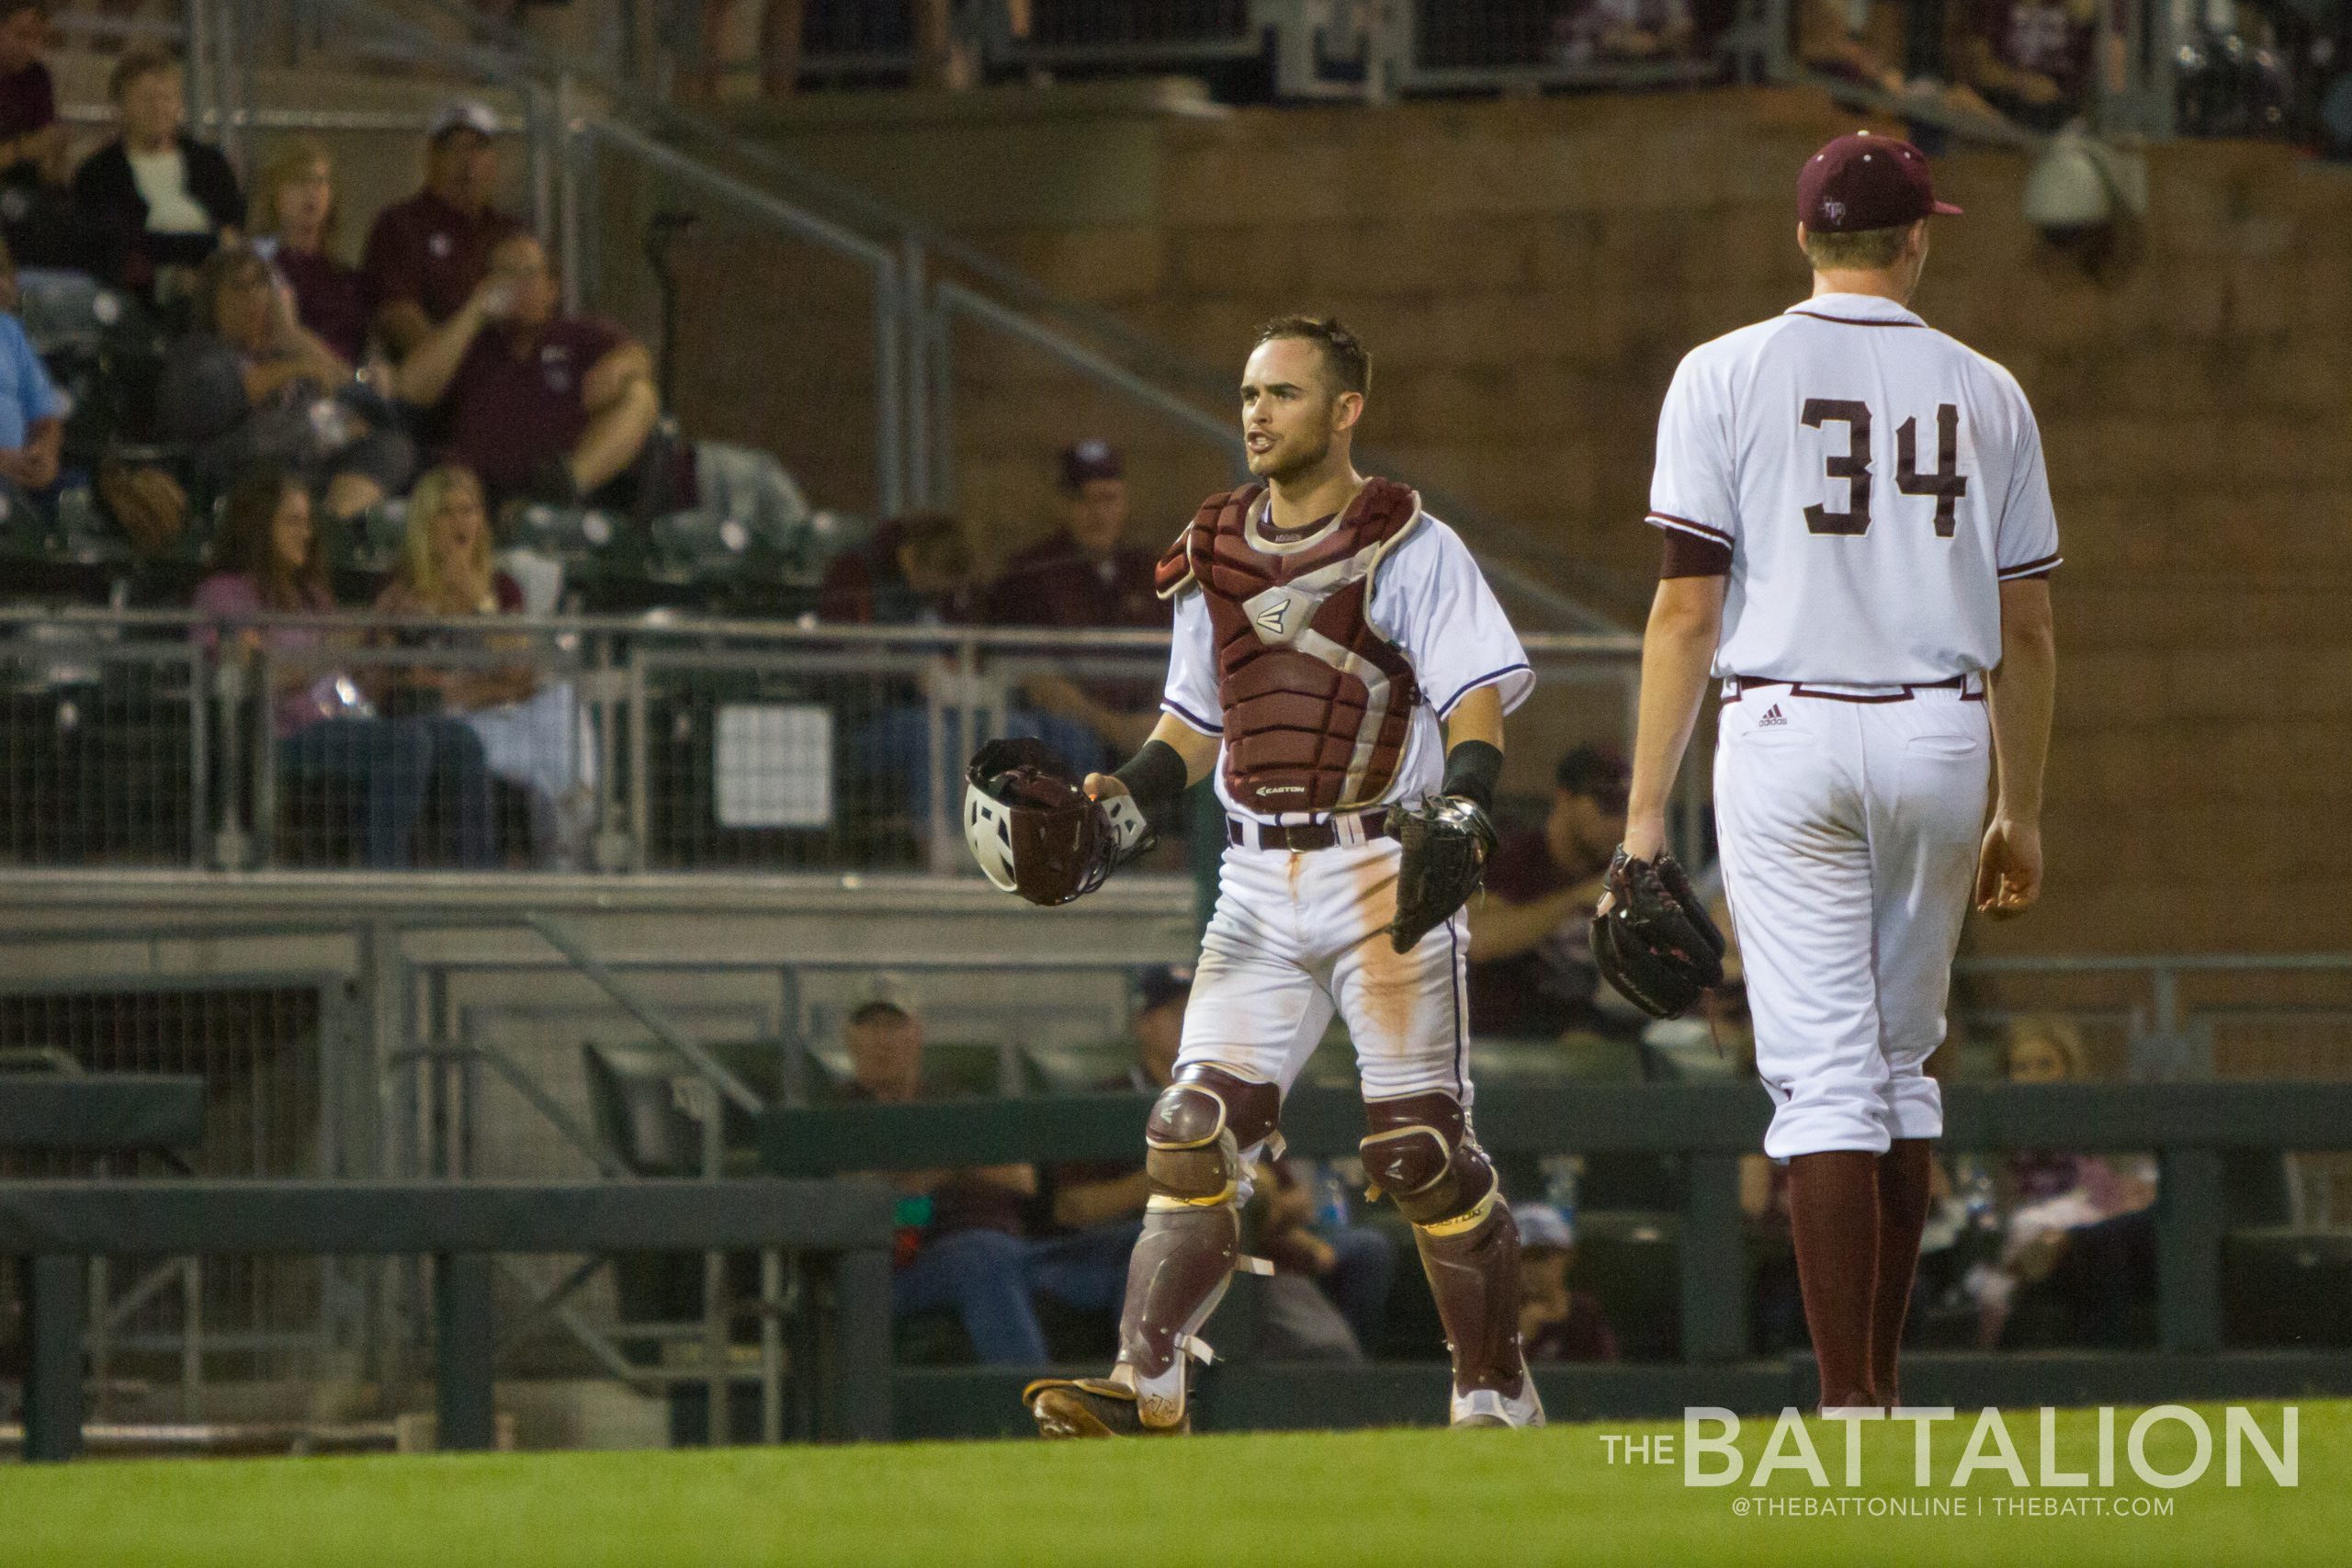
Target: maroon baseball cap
(1866, 182)
(1091, 459)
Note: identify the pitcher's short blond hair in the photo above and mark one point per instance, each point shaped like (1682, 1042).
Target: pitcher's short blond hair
(1864, 250)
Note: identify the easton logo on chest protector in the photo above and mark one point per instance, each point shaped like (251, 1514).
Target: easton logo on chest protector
(1318, 704)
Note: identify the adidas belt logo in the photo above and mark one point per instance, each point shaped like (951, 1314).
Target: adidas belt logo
(1771, 715)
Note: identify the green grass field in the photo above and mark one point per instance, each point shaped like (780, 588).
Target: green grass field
(1426, 1497)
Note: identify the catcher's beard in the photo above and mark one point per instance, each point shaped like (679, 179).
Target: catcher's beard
(1302, 465)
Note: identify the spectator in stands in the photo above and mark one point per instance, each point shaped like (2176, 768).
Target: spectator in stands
(1330, 1291)
(1556, 1322)
(2079, 1240)
(1098, 1204)
(1834, 39)
(32, 143)
(327, 732)
(1338, 1274)
(2030, 60)
(1087, 575)
(1531, 972)
(155, 201)
(1599, 31)
(296, 219)
(32, 417)
(540, 404)
(780, 24)
(531, 731)
(916, 572)
(36, 216)
(252, 385)
(969, 1255)
(427, 256)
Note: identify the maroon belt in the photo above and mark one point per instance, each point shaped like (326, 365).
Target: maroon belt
(1244, 833)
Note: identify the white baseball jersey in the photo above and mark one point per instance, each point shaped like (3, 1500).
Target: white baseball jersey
(1430, 599)
(1875, 480)
(1299, 935)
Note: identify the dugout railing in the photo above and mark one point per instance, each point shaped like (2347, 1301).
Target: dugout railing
(2190, 1127)
(55, 1228)
(603, 744)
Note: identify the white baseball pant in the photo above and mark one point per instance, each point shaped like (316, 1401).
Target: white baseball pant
(1297, 935)
(1849, 826)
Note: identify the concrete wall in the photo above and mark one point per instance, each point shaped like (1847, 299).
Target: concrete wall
(1528, 274)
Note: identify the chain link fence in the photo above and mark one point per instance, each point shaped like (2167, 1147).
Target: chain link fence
(137, 740)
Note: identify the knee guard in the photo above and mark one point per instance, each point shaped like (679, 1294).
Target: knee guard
(1193, 1142)
(1197, 1132)
(1420, 1152)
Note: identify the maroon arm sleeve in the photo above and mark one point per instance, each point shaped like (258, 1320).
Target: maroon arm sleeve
(1687, 555)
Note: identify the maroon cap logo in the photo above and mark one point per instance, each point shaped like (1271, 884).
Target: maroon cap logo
(1866, 182)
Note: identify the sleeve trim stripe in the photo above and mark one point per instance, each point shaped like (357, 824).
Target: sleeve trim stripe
(2032, 567)
(1665, 520)
(1488, 679)
(1181, 711)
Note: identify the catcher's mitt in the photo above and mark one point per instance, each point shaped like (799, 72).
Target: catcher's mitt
(1652, 940)
(1446, 840)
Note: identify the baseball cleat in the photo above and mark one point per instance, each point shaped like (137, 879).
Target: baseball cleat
(1490, 1408)
(1091, 1407)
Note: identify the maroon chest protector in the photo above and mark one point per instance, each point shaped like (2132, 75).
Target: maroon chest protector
(1317, 704)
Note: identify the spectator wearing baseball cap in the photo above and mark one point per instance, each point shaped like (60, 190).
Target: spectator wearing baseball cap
(2030, 60)
(1556, 1323)
(1531, 972)
(154, 198)
(967, 1255)
(1087, 575)
(427, 254)
(1332, 1281)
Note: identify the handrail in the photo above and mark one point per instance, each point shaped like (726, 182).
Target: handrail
(909, 232)
(1616, 645)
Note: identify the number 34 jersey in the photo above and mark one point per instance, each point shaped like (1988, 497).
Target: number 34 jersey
(1875, 480)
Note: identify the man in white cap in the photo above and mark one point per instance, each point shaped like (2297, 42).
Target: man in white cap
(427, 255)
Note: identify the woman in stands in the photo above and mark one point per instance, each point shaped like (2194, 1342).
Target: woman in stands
(253, 385)
(531, 731)
(295, 224)
(155, 200)
(2077, 1258)
(329, 739)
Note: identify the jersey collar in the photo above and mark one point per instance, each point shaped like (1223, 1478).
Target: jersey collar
(1856, 310)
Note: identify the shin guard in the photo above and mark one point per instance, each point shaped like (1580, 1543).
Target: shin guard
(1199, 1130)
(1421, 1152)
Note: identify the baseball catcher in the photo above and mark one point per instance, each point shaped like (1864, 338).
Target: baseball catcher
(1653, 939)
(1341, 667)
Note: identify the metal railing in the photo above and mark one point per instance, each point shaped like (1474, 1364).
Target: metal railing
(586, 123)
(577, 743)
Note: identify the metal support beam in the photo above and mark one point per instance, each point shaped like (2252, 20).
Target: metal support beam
(465, 1346)
(54, 1315)
(666, 1029)
(2188, 1250)
(860, 1360)
(1714, 1274)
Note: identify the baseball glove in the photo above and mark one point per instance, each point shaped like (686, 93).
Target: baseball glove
(1652, 940)
(1447, 840)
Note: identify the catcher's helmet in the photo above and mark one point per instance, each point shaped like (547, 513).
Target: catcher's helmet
(1034, 831)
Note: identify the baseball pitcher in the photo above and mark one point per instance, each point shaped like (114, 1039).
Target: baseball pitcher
(1858, 543)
